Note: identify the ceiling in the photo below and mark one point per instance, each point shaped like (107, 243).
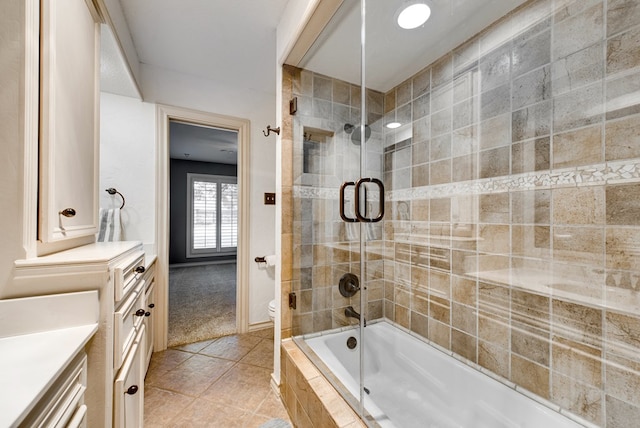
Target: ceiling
(201, 143)
(234, 43)
(394, 54)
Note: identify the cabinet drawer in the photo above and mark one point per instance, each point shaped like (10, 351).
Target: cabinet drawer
(79, 419)
(149, 320)
(127, 274)
(128, 388)
(64, 399)
(128, 319)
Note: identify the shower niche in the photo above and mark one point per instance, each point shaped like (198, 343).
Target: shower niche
(317, 157)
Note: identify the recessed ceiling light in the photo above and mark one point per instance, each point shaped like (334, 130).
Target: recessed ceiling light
(394, 125)
(413, 14)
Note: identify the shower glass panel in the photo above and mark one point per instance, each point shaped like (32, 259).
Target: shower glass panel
(337, 191)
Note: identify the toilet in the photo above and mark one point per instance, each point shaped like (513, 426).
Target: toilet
(272, 310)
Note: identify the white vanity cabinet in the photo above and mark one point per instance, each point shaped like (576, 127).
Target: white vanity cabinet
(69, 123)
(117, 354)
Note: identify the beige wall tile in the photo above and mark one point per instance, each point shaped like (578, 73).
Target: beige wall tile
(623, 51)
(622, 138)
(530, 375)
(589, 199)
(623, 204)
(579, 147)
(494, 358)
(581, 399)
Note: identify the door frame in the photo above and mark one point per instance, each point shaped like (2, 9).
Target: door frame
(164, 114)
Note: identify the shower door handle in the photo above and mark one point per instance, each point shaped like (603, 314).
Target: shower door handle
(343, 216)
(364, 218)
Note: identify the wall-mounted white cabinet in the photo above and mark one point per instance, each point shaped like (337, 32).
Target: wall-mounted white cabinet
(69, 123)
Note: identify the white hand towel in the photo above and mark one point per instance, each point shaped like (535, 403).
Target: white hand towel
(110, 227)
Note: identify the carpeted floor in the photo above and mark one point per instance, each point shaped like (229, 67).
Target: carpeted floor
(202, 302)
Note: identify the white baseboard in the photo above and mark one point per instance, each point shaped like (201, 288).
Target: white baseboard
(193, 264)
(260, 325)
(275, 386)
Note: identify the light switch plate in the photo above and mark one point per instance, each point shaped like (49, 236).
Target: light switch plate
(269, 198)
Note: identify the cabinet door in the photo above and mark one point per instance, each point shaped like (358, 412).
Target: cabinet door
(69, 129)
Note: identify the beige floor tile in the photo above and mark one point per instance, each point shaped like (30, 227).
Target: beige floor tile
(265, 333)
(231, 347)
(166, 360)
(222, 383)
(204, 413)
(195, 347)
(244, 386)
(161, 406)
(255, 421)
(261, 355)
(193, 376)
(273, 407)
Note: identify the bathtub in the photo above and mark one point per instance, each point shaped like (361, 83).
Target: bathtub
(412, 384)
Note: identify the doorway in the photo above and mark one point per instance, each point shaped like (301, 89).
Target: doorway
(203, 232)
(167, 117)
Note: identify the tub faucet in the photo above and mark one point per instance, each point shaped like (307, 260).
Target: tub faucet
(349, 312)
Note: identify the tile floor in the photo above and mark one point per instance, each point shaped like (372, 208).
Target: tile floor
(223, 382)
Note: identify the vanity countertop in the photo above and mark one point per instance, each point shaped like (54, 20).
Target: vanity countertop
(30, 364)
(39, 337)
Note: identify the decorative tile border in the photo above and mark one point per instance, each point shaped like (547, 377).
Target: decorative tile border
(590, 175)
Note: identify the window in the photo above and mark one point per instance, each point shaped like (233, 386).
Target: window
(213, 215)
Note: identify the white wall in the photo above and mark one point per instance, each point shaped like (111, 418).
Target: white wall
(123, 119)
(127, 162)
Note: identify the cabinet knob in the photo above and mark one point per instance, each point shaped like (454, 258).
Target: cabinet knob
(140, 313)
(132, 390)
(68, 212)
(152, 305)
(140, 269)
(147, 314)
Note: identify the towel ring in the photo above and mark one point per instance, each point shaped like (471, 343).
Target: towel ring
(113, 191)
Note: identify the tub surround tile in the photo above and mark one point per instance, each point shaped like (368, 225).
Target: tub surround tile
(618, 242)
(569, 35)
(464, 344)
(466, 85)
(577, 361)
(623, 204)
(622, 15)
(532, 53)
(495, 67)
(494, 162)
(622, 379)
(583, 400)
(493, 358)
(622, 138)
(580, 147)
(578, 69)
(620, 94)
(495, 102)
(619, 413)
(530, 122)
(566, 116)
(531, 88)
(590, 199)
(421, 83)
(532, 155)
(530, 375)
(495, 132)
(623, 52)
